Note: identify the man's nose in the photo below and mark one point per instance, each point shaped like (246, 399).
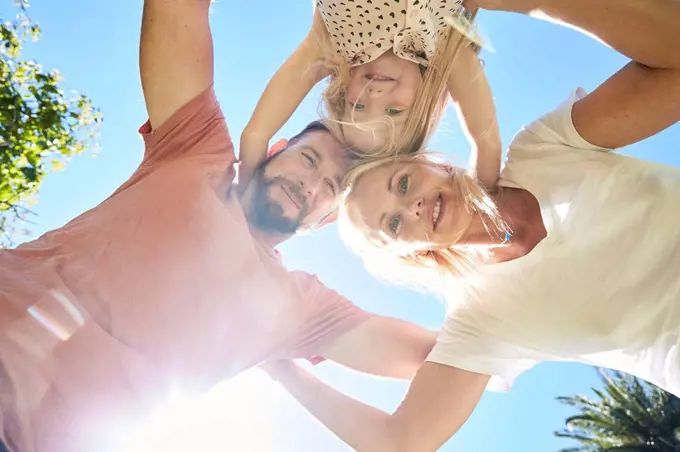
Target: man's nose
(310, 186)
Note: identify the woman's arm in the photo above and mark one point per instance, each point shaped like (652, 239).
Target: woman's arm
(646, 31)
(284, 92)
(635, 103)
(472, 95)
(438, 402)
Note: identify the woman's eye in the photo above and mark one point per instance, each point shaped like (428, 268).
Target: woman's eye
(403, 184)
(331, 187)
(394, 225)
(359, 107)
(394, 112)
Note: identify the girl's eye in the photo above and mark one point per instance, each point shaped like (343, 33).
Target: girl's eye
(394, 225)
(394, 112)
(359, 107)
(403, 184)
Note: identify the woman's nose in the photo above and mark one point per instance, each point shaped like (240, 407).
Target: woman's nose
(416, 207)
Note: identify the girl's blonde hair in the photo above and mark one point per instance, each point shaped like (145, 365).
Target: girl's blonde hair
(428, 268)
(427, 110)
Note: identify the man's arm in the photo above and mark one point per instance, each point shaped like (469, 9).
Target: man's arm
(646, 31)
(176, 55)
(382, 346)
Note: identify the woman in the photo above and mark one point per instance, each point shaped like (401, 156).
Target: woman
(581, 249)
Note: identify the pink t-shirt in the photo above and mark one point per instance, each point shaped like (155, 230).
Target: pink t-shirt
(161, 288)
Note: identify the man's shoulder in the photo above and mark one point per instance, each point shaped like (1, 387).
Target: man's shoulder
(312, 288)
(196, 128)
(305, 278)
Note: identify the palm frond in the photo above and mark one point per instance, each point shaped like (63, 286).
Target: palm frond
(626, 415)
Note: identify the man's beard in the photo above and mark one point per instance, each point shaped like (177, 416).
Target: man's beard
(266, 214)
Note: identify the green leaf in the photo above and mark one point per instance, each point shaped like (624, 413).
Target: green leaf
(40, 127)
(628, 415)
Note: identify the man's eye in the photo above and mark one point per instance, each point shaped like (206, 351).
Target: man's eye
(394, 225)
(309, 159)
(403, 184)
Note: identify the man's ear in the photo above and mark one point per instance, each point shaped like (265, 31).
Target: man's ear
(277, 147)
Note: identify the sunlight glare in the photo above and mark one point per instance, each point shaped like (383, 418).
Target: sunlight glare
(240, 414)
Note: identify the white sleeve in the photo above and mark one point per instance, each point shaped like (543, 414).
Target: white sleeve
(464, 345)
(555, 128)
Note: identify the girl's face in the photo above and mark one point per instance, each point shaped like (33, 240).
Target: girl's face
(380, 95)
(410, 205)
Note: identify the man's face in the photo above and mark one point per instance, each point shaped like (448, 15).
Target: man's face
(300, 186)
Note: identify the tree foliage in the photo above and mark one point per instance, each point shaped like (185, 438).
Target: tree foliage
(627, 415)
(41, 127)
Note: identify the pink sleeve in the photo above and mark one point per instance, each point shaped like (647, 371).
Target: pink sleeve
(198, 127)
(329, 315)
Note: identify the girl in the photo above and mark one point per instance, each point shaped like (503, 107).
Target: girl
(391, 67)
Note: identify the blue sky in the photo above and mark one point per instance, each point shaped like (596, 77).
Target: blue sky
(94, 44)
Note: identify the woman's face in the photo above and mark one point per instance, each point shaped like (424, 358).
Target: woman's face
(413, 205)
(380, 95)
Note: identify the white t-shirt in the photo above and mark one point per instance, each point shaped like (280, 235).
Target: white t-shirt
(602, 288)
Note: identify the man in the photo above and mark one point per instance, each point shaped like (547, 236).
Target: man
(173, 282)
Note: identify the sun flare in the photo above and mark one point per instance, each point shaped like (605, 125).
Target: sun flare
(240, 414)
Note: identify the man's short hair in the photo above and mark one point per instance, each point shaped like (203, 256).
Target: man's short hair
(314, 126)
(320, 126)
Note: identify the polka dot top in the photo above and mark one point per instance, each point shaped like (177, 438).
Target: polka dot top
(362, 30)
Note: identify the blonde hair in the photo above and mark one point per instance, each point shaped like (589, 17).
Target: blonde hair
(427, 110)
(428, 269)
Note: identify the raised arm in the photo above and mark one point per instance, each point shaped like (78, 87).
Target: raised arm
(646, 31)
(641, 99)
(635, 103)
(439, 401)
(383, 346)
(283, 94)
(176, 55)
(470, 90)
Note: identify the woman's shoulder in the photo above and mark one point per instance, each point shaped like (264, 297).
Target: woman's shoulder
(554, 128)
